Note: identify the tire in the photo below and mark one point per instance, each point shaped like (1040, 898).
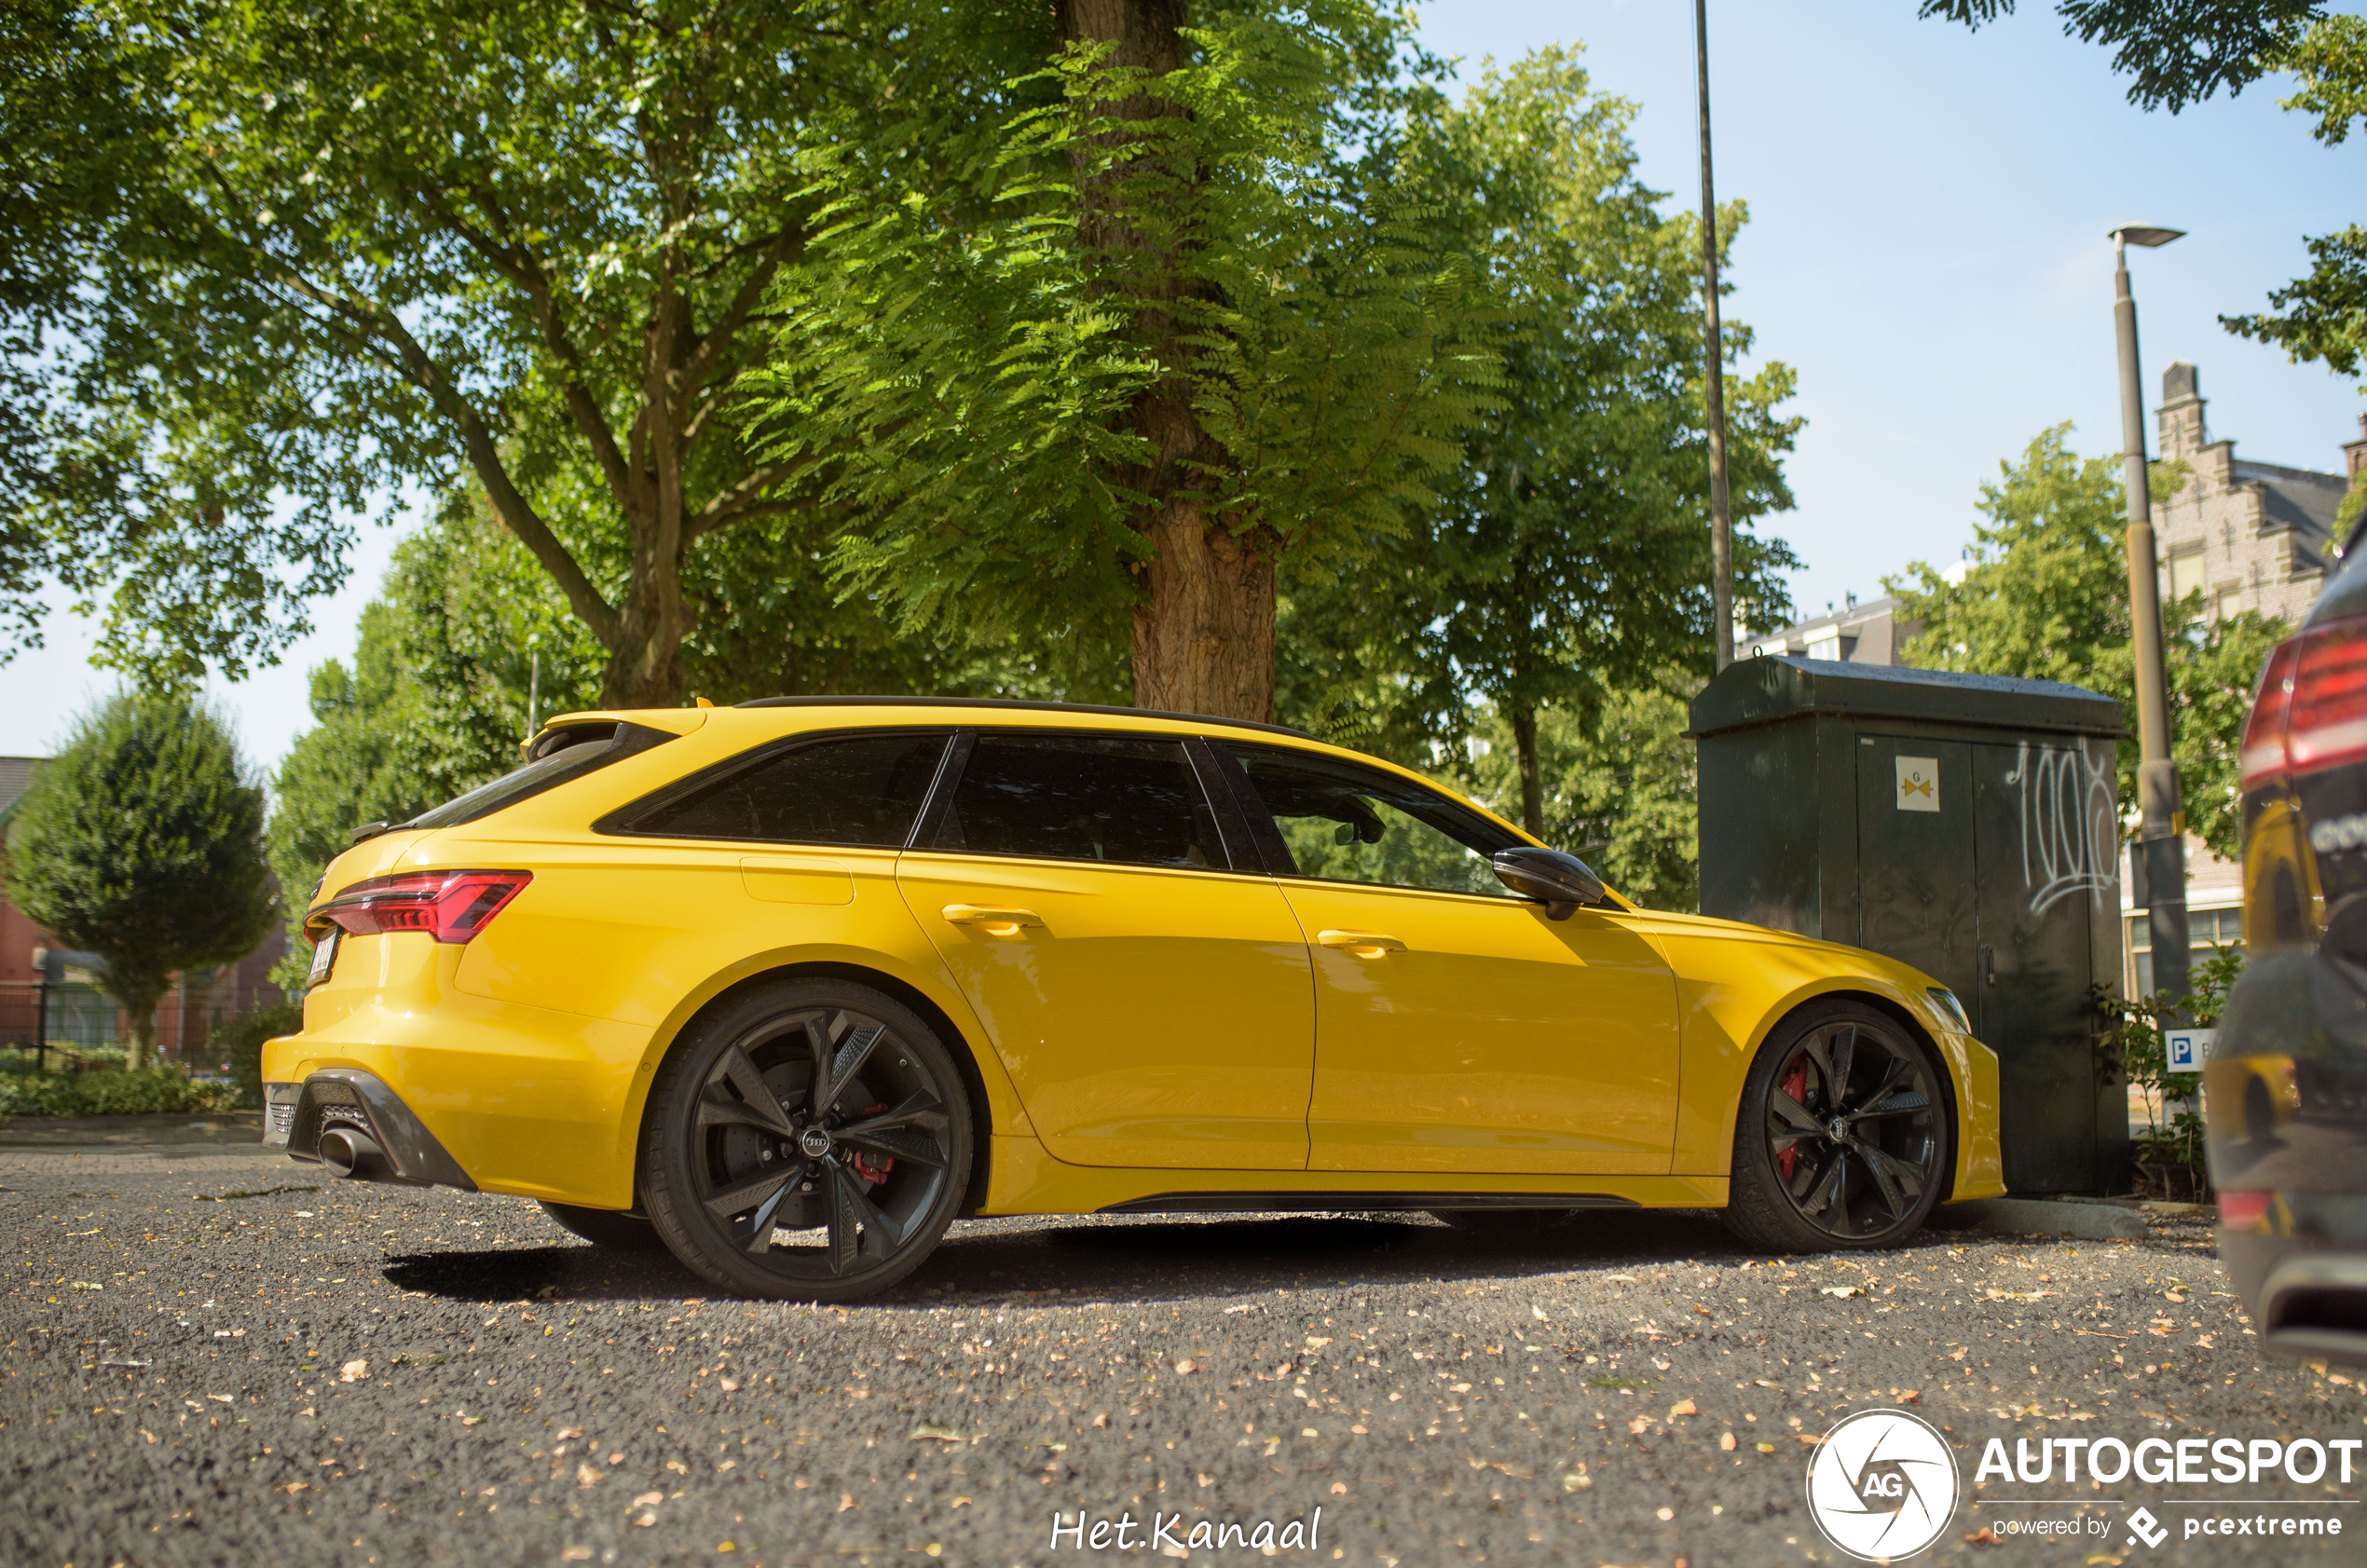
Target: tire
(806, 1140)
(606, 1227)
(1816, 1170)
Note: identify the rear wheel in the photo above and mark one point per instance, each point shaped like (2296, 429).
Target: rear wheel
(808, 1139)
(606, 1227)
(1842, 1139)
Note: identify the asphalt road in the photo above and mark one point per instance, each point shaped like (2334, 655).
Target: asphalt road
(217, 1356)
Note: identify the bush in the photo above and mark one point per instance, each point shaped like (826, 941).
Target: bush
(2134, 1039)
(239, 1041)
(108, 1092)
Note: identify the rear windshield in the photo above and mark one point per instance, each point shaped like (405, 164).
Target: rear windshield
(559, 756)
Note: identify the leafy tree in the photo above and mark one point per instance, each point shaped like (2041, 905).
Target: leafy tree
(2181, 54)
(1099, 370)
(374, 245)
(2047, 598)
(1618, 789)
(142, 842)
(1568, 560)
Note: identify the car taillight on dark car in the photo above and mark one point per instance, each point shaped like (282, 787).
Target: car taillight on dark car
(449, 906)
(2311, 713)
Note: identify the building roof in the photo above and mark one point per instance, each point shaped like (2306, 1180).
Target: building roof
(2304, 499)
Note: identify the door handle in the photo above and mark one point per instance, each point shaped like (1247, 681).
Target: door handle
(995, 922)
(1363, 944)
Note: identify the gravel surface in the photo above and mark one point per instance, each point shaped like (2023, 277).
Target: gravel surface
(223, 1357)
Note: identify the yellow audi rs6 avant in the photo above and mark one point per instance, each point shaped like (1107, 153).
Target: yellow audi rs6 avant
(790, 986)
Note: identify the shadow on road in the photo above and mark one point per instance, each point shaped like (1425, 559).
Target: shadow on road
(1088, 1259)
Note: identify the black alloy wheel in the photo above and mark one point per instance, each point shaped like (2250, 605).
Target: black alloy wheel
(807, 1141)
(1844, 1138)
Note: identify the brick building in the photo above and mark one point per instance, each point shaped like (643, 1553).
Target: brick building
(78, 1012)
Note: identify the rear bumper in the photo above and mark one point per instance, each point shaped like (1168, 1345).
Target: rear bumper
(2286, 1097)
(297, 1114)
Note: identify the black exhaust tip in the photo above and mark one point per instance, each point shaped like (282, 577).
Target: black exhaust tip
(352, 1155)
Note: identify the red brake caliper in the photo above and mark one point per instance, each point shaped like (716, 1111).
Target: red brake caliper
(874, 1174)
(1795, 1084)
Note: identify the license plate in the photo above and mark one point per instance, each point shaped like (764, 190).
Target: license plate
(324, 958)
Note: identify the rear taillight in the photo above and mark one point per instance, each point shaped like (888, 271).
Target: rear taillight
(2311, 710)
(449, 906)
(2243, 1211)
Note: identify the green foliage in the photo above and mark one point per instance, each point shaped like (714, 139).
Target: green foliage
(240, 1042)
(109, 1092)
(970, 355)
(2134, 1037)
(142, 842)
(2047, 599)
(353, 247)
(2176, 54)
(1618, 790)
(1567, 563)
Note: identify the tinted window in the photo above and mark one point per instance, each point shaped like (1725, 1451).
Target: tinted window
(1346, 823)
(858, 789)
(561, 756)
(1082, 797)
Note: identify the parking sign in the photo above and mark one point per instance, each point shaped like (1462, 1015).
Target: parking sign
(2189, 1048)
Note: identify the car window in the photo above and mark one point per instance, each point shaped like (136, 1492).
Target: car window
(1082, 797)
(857, 790)
(1346, 823)
(559, 756)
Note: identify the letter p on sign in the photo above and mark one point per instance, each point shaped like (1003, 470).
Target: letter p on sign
(2188, 1048)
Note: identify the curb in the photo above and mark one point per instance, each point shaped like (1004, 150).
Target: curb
(2089, 1221)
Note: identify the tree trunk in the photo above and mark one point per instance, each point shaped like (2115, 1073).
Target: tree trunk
(1532, 788)
(1203, 636)
(139, 1051)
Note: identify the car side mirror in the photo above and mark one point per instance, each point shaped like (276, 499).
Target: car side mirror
(1559, 881)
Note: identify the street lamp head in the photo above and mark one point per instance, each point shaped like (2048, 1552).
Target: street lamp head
(2141, 234)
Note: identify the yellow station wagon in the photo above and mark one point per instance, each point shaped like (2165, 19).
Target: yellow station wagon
(790, 986)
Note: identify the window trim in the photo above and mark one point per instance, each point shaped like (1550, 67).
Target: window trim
(619, 823)
(957, 763)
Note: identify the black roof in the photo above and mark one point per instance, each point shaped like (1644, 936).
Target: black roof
(1771, 688)
(1020, 705)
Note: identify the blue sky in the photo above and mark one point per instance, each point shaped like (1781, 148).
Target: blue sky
(1926, 247)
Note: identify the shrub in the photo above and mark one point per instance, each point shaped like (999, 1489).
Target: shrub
(240, 1042)
(108, 1092)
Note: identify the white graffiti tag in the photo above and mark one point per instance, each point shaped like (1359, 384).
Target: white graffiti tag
(2069, 817)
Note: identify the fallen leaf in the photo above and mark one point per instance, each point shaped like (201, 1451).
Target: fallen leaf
(1683, 1407)
(846, 1501)
(1913, 1397)
(931, 1429)
(1538, 1313)
(1640, 1424)
(649, 1499)
(1186, 1366)
(1576, 1482)
(1848, 1290)
(355, 1371)
(1764, 1383)
(1984, 1537)
(576, 1554)
(569, 1434)
(1700, 1309)
(586, 1477)
(1766, 1448)
(1726, 1442)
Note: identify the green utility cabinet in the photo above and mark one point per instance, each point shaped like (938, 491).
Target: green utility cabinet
(1966, 824)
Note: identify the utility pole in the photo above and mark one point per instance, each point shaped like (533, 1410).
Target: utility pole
(2158, 860)
(1721, 529)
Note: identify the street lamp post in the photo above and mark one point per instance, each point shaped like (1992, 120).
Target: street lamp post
(2158, 865)
(1721, 531)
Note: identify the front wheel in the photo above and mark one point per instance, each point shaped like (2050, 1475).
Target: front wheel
(808, 1140)
(1842, 1139)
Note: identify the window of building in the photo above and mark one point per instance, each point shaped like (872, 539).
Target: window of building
(2231, 601)
(2186, 573)
(2206, 932)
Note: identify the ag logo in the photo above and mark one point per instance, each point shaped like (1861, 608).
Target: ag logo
(1882, 1485)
